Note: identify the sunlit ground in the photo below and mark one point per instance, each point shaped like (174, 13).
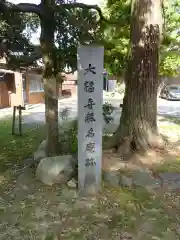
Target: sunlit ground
(30, 210)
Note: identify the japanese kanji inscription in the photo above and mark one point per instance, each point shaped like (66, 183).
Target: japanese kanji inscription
(90, 98)
(89, 86)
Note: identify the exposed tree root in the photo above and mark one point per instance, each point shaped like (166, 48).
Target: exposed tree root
(125, 147)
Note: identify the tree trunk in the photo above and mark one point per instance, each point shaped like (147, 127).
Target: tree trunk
(138, 125)
(59, 79)
(60, 90)
(49, 77)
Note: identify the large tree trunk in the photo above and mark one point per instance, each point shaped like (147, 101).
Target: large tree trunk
(138, 124)
(49, 77)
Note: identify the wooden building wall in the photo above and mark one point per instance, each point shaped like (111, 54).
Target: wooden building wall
(11, 90)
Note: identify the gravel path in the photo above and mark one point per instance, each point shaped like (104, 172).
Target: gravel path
(168, 114)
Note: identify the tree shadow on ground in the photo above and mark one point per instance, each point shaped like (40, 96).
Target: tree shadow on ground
(30, 209)
(14, 148)
(57, 212)
(170, 119)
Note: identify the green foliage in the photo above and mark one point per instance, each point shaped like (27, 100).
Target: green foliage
(107, 112)
(68, 138)
(15, 42)
(116, 38)
(64, 114)
(50, 236)
(73, 132)
(13, 149)
(170, 57)
(11, 27)
(72, 27)
(170, 64)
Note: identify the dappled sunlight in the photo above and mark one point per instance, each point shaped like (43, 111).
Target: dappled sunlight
(170, 120)
(51, 113)
(139, 195)
(170, 165)
(121, 212)
(114, 162)
(2, 179)
(115, 212)
(169, 127)
(153, 157)
(14, 149)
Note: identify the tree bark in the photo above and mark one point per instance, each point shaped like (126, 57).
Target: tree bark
(138, 124)
(59, 79)
(49, 76)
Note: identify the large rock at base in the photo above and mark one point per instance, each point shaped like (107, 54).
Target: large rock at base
(139, 178)
(112, 178)
(53, 170)
(41, 151)
(144, 178)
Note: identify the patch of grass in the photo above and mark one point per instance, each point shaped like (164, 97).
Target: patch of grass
(115, 213)
(172, 166)
(169, 123)
(68, 139)
(13, 149)
(137, 211)
(174, 120)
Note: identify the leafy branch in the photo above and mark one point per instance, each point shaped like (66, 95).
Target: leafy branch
(37, 9)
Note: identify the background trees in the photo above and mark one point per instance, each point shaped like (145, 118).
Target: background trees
(15, 44)
(69, 23)
(150, 32)
(64, 24)
(116, 37)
